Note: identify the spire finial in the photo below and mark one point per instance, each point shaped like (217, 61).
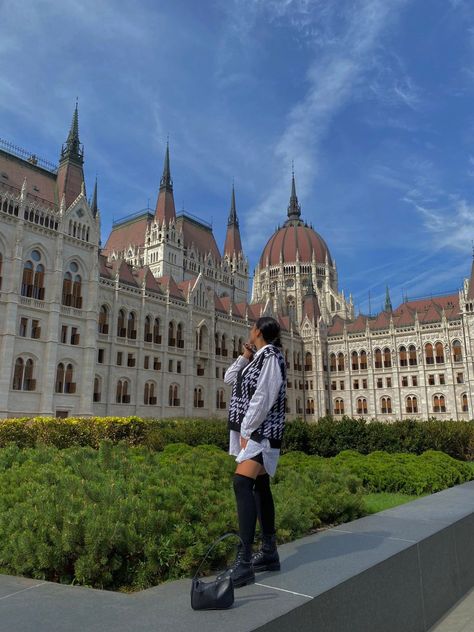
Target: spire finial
(166, 181)
(72, 148)
(294, 209)
(388, 302)
(94, 207)
(233, 211)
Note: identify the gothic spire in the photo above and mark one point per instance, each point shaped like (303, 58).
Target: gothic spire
(94, 207)
(232, 213)
(388, 302)
(166, 181)
(233, 243)
(294, 209)
(72, 149)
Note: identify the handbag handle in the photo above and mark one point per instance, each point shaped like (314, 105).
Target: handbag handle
(219, 539)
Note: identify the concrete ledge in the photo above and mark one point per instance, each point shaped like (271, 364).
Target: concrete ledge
(400, 570)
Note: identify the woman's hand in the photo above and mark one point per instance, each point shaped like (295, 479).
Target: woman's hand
(247, 351)
(243, 443)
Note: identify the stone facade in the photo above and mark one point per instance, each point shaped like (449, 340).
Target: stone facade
(148, 325)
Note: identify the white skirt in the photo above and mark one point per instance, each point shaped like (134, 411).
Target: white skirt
(270, 455)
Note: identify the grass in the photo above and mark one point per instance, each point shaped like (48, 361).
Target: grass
(384, 500)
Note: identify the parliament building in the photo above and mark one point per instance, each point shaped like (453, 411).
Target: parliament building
(147, 324)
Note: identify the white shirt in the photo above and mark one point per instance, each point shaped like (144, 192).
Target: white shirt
(266, 392)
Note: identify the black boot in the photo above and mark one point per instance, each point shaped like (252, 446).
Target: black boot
(267, 559)
(241, 571)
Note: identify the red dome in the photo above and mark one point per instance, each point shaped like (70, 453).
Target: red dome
(290, 238)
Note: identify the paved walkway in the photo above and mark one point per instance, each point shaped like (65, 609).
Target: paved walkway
(460, 618)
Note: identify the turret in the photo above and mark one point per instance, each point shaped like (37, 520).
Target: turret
(70, 178)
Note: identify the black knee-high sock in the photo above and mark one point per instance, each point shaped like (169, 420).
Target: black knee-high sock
(265, 505)
(246, 509)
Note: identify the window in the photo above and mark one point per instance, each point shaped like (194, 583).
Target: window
(441, 378)
(130, 360)
(147, 333)
(75, 336)
(459, 378)
(363, 360)
(389, 382)
(333, 385)
(64, 329)
(122, 394)
(121, 329)
(439, 353)
(402, 354)
(119, 358)
(457, 351)
(35, 329)
(131, 326)
(338, 406)
(156, 332)
(414, 380)
(104, 320)
(220, 403)
(310, 406)
(361, 406)
(100, 356)
(341, 385)
(170, 366)
(340, 362)
(378, 359)
(387, 358)
(171, 335)
(178, 366)
(72, 287)
(32, 283)
(64, 379)
(405, 380)
(431, 380)
(146, 362)
(198, 400)
(464, 404)
(173, 399)
(308, 362)
(411, 404)
(23, 327)
(412, 360)
(332, 362)
(156, 364)
(355, 361)
(356, 384)
(379, 382)
(439, 404)
(429, 353)
(386, 405)
(96, 397)
(59, 378)
(149, 397)
(364, 383)
(23, 375)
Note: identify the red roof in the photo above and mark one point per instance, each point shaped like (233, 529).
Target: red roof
(105, 268)
(165, 206)
(233, 243)
(311, 308)
(219, 307)
(381, 321)
(337, 327)
(358, 325)
(128, 233)
(199, 235)
(150, 282)
(255, 310)
(289, 239)
(167, 283)
(470, 291)
(238, 309)
(40, 183)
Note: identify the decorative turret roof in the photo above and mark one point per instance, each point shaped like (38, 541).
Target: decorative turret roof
(72, 149)
(70, 180)
(294, 208)
(388, 302)
(233, 243)
(94, 207)
(311, 304)
(165, 209)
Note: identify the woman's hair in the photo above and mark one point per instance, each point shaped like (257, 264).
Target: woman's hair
(270, 329)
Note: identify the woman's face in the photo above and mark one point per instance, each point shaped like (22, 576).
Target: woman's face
(254, 335)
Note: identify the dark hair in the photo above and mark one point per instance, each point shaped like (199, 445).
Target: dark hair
(270, 329)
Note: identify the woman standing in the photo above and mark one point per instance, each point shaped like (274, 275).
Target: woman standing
(256, 423)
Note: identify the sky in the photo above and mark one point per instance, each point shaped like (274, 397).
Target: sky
(371, 99)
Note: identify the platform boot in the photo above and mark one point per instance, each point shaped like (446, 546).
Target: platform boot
(267, 558)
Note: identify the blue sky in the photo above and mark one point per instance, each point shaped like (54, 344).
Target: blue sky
(372, 99)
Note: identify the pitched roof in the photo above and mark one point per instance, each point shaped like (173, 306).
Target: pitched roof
(167, 283)
(129, 231)
(255, 310)
(381, 321)
(219, 307)
(337, 327)
(40, 183)
(150, 282)
(105, 268)
(311, 307)
(198, 234)
(358, 325)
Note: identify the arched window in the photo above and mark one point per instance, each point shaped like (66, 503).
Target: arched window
(224, 346)
(121, 329)
(122, 394)
(171, 335)
(104, 320)
(67, 289)
(378, 359)
(387, 358)
(235, 351)
(355, 361)
(77, 291)
(338, 406)
(198, 398)
(156, 332)
(457, 351)
(412, 360)
(464, 403)
(173, 399)
(217, 340)
(29, 384)
(363, 360)
(439, 353)
(69, 384)
(310, 406)
(308, 361)
(411, 404)
(149, 397)
(180, 336)
(361, 406)
(27, 279)
(439, 404)
(38, 282)
(32, 283)
(340, 362)
(220, 402)
(131, 326)
(97, 389)
(386, 405)
(429, 353)
(59, 378)
(18, 374)
(332, 362)
(147, 333)
(402, 354)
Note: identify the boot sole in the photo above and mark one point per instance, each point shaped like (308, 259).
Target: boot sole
(275, 566)
(244, 582)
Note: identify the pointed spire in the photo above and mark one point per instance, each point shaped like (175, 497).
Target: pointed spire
(233, 243)
(94, 207)
(166, 181)
(388, 302)
(165, 209)
(72, 148)
(233, 213)
(294, 208)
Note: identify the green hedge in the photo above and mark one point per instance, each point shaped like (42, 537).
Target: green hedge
(327, 437)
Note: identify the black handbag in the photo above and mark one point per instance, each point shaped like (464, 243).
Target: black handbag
(216, 595)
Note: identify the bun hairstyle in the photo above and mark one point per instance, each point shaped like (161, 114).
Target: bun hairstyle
(270, 329)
